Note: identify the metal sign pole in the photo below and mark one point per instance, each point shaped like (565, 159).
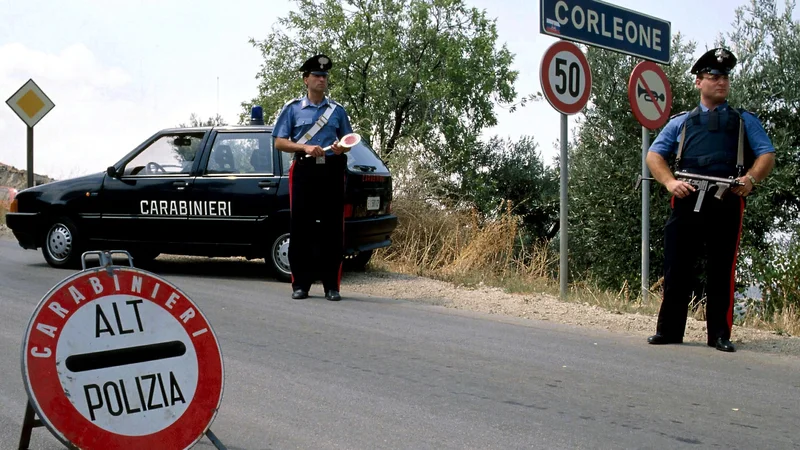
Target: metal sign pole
(645, 215)
(563, 274)
(30, 156)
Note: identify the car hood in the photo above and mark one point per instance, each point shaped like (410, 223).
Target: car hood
(94, 180)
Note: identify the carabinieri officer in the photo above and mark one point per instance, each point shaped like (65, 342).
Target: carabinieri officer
(717, 140)
(316, 181)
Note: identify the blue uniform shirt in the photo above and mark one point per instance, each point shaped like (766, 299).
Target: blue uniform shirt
(666, 144)
(299, 115)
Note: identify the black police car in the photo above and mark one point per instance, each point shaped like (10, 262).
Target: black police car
(205, 191)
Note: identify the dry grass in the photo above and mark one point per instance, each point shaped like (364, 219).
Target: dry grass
(784, 323)
(2, 215)
(466, 249)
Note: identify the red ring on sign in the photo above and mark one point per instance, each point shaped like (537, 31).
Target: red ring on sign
(55, 409)
(636, 75)
(544, 75)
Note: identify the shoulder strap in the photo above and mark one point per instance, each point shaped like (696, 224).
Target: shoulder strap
(323, 119)
(740, 151)
(683, 138)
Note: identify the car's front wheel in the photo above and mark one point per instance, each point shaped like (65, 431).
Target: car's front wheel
(278, 258)
(62, 245)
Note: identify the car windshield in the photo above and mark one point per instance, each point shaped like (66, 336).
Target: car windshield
(360, 158)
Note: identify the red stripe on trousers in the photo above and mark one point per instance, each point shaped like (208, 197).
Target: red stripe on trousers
(339, 279)
(291, 175)
(733, 266)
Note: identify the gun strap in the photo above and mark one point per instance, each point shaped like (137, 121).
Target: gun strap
(680, 146)
(692, 114)
(740, 152)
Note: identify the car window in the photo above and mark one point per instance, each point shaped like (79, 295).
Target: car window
(241, 153)
(171, 154)
(362, 158)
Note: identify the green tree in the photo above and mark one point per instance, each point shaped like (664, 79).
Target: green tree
(767, 43)
(604, 211)
(501, 170)
(604, 161)
(194, 121)
(419, 72)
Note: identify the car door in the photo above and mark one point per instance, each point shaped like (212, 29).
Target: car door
(148, 199)
(234, 194)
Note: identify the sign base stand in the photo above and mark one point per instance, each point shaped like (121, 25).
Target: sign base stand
(28, 424)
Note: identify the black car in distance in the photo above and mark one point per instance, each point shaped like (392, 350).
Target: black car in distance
(203, 191)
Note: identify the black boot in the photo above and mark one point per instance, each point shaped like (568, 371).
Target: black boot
(659, 339)
(723, 345)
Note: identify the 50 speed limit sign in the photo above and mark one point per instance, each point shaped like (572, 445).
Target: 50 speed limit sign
(122, 359)
(565, 77)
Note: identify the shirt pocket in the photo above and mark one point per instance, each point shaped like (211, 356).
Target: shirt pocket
(333, 122)
(303, 122)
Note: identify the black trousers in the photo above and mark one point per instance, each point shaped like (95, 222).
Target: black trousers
(316, 244)
(713, 232)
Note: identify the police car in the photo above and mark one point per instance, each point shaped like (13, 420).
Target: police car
(204, 191)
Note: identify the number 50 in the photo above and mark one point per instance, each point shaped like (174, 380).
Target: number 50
(570, 80)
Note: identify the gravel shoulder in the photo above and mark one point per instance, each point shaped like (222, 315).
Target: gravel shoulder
(538, 307)
(545, 307)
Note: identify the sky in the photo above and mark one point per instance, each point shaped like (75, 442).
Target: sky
(119, 71)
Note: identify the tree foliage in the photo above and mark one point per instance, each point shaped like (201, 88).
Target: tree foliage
(195, 121)
(767, 42)
(501, 171)
(422, 72)
(605, 158)
(604, 161)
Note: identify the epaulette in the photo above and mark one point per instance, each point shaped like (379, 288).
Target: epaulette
(679, 114)
(292, 101)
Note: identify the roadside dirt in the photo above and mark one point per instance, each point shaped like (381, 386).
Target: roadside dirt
(545, 307)
(537, 307)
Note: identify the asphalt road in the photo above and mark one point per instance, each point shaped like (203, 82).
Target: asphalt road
(375, 373)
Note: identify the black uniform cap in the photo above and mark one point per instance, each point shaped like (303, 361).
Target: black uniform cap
(717, 61)
(317, 64)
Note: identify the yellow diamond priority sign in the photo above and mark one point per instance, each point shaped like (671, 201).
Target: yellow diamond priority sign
(30, 103)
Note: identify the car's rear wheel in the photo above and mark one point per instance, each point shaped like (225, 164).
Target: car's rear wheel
(278, 258)
(62, 245)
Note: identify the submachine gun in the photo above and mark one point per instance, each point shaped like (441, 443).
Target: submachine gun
(703, 184)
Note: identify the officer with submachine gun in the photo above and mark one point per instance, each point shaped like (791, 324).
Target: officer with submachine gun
(717, 147)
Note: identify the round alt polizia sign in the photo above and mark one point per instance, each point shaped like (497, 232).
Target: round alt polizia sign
(122, 360)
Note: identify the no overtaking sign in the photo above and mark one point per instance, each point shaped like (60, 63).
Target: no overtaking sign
(122, 359)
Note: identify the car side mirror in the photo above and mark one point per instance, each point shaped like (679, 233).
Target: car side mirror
(111, 171)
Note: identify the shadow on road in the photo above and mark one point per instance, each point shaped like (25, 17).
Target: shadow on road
(223, 268)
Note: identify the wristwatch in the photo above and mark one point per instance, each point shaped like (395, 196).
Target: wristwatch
(751, 178)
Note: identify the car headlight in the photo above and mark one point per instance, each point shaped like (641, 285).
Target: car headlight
(14, 207)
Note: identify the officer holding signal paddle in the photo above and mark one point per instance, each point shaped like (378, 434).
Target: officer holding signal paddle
(316, 181)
